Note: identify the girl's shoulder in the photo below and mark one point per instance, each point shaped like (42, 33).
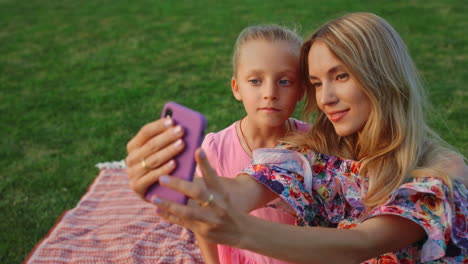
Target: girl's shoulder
(224, 151)
(300, 126)
(224, 141)
(227, 132)
(218, 140)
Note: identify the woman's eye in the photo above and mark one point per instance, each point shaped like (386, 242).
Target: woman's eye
(285, 82)
(254, 81)
(342, 76)
(316, 84)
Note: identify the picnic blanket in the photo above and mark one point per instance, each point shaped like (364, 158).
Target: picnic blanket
(111, 224)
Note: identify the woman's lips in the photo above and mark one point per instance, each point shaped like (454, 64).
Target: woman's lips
(337, 115)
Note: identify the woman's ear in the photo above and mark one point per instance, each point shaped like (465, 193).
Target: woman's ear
(235, 89)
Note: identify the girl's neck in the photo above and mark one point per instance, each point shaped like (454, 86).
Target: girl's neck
(253, 136)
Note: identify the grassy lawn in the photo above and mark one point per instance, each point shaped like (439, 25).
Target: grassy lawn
(79, 78)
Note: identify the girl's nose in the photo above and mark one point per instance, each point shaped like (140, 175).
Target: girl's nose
(270, 91)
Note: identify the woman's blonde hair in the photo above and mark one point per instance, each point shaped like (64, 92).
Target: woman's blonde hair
(396, 142)
(269, 32)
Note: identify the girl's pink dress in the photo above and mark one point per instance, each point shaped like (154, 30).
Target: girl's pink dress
(228, 159)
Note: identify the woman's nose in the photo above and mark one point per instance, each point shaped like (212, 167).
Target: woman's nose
(326, 94)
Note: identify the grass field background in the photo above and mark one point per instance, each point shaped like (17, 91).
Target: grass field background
(79, 78)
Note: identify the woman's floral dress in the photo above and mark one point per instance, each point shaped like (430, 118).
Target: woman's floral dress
(327, 191)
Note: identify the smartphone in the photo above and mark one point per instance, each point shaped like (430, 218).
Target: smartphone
(194, 124)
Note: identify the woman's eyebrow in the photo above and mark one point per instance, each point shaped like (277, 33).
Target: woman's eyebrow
(332, 70)
(336, 68)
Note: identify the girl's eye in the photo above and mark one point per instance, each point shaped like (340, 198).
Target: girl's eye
(342, 76)
(285, 82)
(254, 81)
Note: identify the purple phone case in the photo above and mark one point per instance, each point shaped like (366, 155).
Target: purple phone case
(194, 124)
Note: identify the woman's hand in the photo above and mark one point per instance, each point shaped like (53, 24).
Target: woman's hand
(215, 219)
(151, 153)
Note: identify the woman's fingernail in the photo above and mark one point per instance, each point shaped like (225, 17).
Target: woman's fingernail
(157, 200)
(164, 179)
(177, 130)
(202, 154)
(168, 122)
(171, 164)
(178, 143)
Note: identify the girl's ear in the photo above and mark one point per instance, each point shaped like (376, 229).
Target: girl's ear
(235, 89)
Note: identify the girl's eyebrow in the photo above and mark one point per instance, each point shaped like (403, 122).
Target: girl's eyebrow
(289, 71)
(254, 72)
(259, 71)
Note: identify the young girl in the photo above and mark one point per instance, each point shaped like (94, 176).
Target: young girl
(400, 202)
(266, 80)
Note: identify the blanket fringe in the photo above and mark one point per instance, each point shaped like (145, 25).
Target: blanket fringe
(112, 165)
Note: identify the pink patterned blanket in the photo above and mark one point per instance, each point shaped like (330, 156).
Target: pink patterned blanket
(111, 224)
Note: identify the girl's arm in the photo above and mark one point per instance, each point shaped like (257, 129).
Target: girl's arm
(208, 250)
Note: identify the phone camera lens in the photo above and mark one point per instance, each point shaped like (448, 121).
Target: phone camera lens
(168, 112)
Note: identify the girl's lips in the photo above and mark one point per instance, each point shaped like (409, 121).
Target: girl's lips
(337, 116)
(269, 109)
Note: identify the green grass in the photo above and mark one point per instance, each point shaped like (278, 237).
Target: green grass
(79, 78)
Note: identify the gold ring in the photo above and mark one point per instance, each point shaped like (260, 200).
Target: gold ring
(207, 202)
(144, 165)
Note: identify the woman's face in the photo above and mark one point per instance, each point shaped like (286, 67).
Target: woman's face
(338, 93)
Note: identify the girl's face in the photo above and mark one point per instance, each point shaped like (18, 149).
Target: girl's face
(267, 81)
(338, 93)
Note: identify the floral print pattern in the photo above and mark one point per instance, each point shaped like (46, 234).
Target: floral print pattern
(335, 200)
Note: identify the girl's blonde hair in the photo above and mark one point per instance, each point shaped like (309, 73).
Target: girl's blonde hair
(271, 33)
(396, 142)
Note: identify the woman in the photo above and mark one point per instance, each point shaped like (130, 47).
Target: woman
(393, 196)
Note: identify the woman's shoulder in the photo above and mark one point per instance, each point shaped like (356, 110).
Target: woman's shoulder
(454, 166)
(284, 154)
(441, 211)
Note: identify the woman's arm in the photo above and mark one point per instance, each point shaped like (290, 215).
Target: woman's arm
(372, 238)
(222, 222)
